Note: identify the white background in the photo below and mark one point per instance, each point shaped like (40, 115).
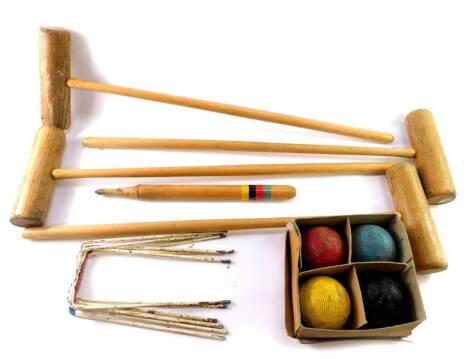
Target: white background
(362, 63)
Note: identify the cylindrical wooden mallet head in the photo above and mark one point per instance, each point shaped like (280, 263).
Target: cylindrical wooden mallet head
(431, 161)
(35, 192)
(411, 202)
(54, 68)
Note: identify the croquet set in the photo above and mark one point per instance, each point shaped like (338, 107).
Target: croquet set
(346, 276)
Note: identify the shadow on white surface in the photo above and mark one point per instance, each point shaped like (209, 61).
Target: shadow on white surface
(85, 104)
(85, 109)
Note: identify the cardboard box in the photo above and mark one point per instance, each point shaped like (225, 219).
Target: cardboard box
(347, 273)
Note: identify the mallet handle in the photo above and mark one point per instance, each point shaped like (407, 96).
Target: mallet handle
(234, 110)
(133, 229)
(202, 192)
(230, 170)
(242, 146)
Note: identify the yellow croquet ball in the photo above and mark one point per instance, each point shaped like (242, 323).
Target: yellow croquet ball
(324, 303)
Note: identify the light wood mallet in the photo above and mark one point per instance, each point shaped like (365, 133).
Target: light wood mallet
(424, 138)
(202, 192)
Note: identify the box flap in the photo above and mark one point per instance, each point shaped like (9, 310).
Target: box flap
(294, 242)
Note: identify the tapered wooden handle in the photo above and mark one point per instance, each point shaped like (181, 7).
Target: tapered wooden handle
(411, 202)
(133, 229)
(230, 170)
(203, 192)
(54, 64)
(245, 146)
(235, 110)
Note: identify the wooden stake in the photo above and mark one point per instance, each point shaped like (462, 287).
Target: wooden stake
(202, 192)
(234, 110)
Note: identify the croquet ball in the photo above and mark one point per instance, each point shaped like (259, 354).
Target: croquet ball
(321, 247)
(386, 299)
(324, 303)
(372, 243)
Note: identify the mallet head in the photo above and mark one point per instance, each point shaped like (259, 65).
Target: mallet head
(54, 69)
(431, 161)
(35, 192)
(411, 202)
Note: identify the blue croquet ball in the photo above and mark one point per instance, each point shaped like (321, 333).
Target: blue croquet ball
(372, 243)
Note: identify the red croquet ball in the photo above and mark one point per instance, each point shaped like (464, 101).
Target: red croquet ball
(322, 247)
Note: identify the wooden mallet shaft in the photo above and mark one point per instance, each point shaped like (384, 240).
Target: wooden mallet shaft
(240, 146)
(352, 168)
(202, 192)
(233, 110)
(422, 131)
(146, 228)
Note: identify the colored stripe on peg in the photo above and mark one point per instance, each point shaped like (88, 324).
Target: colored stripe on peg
(254, 192)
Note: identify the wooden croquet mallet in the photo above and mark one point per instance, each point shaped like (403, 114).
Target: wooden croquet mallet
(424, 138)
(202, 192)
